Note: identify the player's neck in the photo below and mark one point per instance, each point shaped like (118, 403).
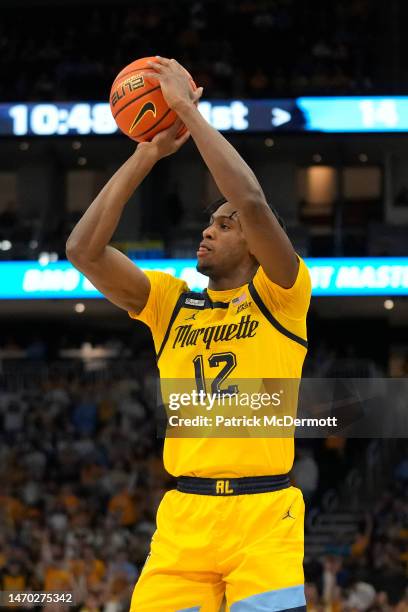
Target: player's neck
(235, 279)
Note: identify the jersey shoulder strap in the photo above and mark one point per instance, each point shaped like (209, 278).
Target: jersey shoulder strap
(187, 299)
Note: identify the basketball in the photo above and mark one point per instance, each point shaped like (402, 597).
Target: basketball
(137, 103)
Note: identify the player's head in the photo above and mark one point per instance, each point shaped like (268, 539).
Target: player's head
(224, 247)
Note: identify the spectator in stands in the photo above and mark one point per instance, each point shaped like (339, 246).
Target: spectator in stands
(402, 605)
(55, 568)
(305, 472)
(123, 506)
(361, 596)
(14, 577)
(85, 414)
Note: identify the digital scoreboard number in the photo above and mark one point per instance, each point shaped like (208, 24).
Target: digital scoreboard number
(60, 120)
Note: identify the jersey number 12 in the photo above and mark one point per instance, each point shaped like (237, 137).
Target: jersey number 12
(229, 360)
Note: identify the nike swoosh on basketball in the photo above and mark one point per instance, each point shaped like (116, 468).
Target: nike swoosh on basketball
(146, 108)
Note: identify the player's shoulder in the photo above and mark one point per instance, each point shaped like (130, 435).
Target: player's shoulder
(164, 293)
(292, 301)
(165, 281)
(302, 277)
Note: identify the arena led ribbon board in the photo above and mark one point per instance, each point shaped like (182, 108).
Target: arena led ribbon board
(330, 276)
(307, 114)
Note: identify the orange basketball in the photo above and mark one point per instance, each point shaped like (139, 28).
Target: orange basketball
(137, 103)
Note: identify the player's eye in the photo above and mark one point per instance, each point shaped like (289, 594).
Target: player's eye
(224, 226)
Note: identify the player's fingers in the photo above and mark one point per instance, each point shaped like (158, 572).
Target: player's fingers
(183, 139)
(162, 60)
(155, 66)
(152, 75)
(181, 68)
(178, 123)
(175, 127)
(166, 133)
(171, 131)
(197, 94)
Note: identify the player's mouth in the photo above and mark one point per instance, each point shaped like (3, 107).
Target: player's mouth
(203, 250)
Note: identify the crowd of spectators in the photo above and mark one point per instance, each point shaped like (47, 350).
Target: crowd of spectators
(81, 478)
(245, 48)
(371, 573)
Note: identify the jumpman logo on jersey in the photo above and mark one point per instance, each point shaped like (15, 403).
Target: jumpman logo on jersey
(193, 316)
(288, 514)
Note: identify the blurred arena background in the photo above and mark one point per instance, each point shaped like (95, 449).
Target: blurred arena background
(81, 471)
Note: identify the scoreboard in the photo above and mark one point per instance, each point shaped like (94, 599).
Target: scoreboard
(308, 114)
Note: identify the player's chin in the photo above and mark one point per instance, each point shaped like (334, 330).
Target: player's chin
(203, 268)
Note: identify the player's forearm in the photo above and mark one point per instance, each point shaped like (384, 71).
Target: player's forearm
(233, 176)
(95, 229)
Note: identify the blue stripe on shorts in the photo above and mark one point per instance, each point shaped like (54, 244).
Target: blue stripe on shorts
(281, 600)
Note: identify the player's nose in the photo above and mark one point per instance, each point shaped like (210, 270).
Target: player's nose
(208, 233)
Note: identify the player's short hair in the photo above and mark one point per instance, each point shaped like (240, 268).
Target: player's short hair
(211, 208)
(216, 205)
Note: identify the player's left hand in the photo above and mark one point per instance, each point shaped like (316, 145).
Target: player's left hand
(166, 142)
(175, 82)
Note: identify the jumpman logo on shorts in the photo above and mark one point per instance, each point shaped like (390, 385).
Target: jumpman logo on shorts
(288, 514)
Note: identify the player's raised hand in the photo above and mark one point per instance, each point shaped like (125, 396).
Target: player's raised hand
(176, 83)
(167, 142)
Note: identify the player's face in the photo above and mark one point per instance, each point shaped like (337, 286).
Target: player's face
(223, 247)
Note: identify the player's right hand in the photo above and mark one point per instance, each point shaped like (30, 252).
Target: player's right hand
(166, 142)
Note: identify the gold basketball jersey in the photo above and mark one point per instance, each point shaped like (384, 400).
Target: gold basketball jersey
(256, 331)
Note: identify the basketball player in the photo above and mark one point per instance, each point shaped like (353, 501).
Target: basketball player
(234, 525)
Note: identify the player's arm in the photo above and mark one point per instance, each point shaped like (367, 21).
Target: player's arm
(109, 270)
(266, 239)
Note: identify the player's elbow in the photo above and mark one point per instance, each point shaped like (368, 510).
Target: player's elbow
(75, 252)
(81, 255)
(71, 249)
